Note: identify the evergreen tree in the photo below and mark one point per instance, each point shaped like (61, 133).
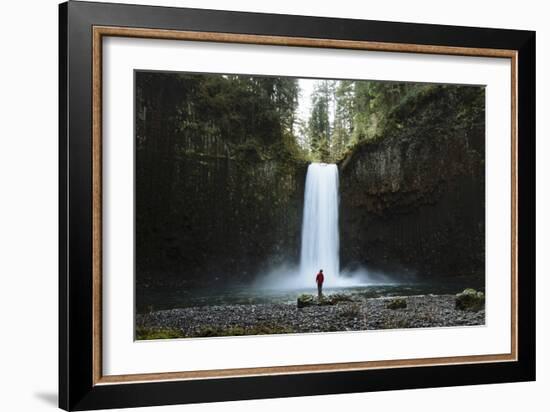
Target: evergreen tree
(344, 95)
(319, 125)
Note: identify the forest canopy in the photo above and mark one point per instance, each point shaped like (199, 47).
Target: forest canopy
(310, 119)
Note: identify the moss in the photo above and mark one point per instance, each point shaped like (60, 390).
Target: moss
(340, 298)
(143, 333)
(260, 329)
(395, 324)
(470, 300)
(398, 303)
(352, 311)
(249, 151)
(325, 300)
(305, 300)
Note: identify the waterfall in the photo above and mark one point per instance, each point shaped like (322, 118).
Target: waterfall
(320, 239)
(320, 236)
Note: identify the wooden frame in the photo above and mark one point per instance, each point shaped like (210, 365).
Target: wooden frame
(82, 27)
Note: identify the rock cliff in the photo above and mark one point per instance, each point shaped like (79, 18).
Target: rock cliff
(414, 198)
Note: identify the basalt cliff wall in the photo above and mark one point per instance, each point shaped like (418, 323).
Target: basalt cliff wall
(413, 199)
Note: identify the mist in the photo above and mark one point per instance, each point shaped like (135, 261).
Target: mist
(289, 277)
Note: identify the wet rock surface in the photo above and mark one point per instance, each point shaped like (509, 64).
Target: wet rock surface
(415, 197)
(360, 314)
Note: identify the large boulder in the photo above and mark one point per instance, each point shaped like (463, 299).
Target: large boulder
(306, 300)
(471, 300)
(325, 300)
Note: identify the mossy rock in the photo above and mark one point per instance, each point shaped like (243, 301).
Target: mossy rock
(339, 298)
(470, 300)
(398, 303)
(306, 300)
(325, 300)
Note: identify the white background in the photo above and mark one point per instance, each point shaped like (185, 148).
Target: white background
(123, 356)
(28, 205)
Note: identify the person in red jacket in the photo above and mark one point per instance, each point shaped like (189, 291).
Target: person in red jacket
(320, 279)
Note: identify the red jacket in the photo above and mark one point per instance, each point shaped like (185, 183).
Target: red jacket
(320, 278)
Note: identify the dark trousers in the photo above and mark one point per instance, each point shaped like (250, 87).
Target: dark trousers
(319, 289)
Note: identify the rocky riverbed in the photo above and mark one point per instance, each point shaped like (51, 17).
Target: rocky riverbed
(358, 314)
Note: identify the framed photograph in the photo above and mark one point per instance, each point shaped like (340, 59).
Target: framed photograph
(256, 205)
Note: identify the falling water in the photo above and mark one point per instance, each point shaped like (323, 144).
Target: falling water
(320, 236)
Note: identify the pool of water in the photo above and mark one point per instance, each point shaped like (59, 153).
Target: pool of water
(150, 299)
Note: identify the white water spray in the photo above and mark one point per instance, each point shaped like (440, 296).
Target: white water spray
(320, 235)
(320, 240)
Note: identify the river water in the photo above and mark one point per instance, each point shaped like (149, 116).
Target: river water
(161, 299)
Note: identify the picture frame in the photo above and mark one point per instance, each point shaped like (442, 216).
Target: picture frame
(83, 27)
